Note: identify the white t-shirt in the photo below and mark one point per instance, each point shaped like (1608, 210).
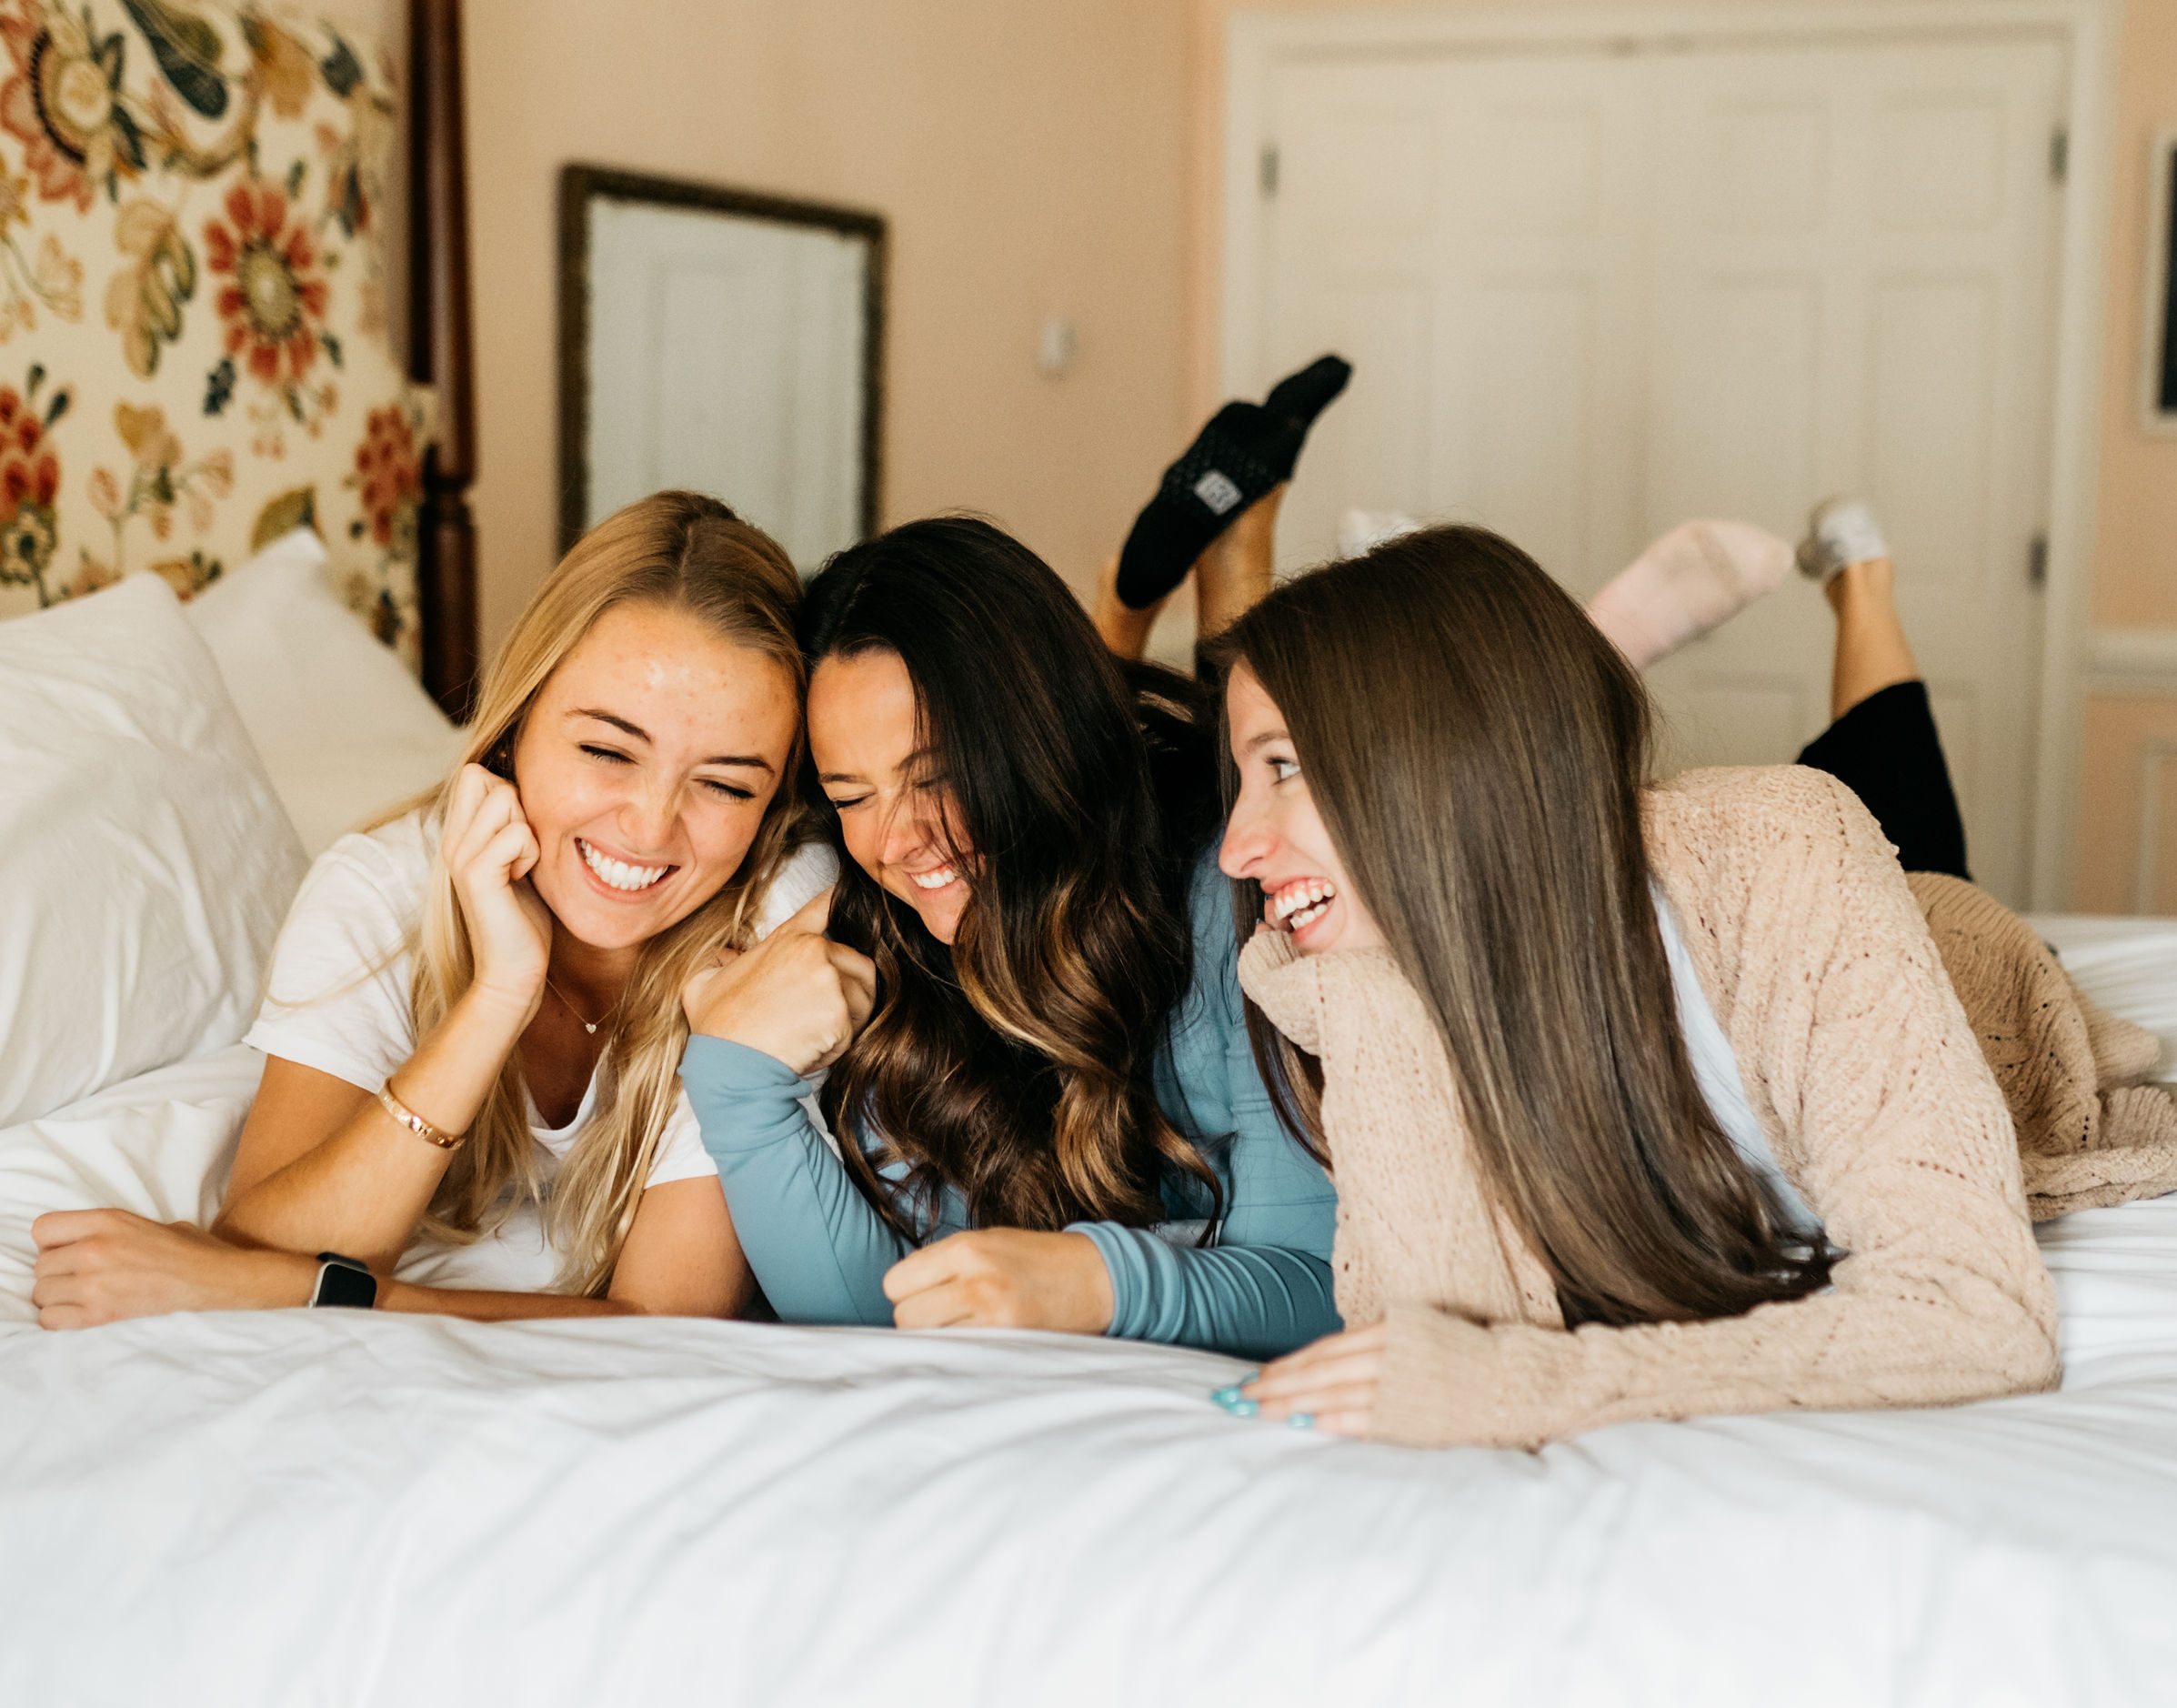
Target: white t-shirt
(1716, 1071)
(336, 999)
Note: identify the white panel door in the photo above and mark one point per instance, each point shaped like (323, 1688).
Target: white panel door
(1853, 274)
(726, 357)
(1466, 233)
(1589, 295)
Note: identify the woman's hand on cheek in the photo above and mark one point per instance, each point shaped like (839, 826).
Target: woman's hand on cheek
(1331, 1382)
(1003, 1277)
(97, 1266)
(797, 996)
(489, 851)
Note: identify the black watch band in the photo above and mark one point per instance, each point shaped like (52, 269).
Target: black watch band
(341, 1280)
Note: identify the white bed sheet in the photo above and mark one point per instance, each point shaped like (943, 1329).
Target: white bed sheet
(327, 1508)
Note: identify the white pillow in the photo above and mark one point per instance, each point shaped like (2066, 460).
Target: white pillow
(159, 1144)
(344, 731)
(145, 860)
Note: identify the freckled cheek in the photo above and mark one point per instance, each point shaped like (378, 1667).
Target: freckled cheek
(721, 836)
(559, 797)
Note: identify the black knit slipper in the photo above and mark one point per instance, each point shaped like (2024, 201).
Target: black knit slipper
(1246, 449)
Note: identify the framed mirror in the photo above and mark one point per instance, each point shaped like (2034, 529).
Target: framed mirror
(722, 341)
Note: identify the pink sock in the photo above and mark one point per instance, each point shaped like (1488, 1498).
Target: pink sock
(1698, 575)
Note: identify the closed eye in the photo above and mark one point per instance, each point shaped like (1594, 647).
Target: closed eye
(612, 755)
(732, 790)
(839, 805)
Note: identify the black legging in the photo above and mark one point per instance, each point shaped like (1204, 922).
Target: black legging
(1886, 751)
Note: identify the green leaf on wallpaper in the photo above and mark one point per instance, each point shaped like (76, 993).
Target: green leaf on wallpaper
(347, 205)
(332, 348)
(294, 180)
(188, 50)
(58, 407)
(220, 386)
(132, 139)
(296, 507)
(342, 69)
(106, 56)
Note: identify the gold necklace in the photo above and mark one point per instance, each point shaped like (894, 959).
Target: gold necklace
(588, 1026)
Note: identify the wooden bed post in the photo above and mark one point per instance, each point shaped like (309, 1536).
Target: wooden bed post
(439, 355)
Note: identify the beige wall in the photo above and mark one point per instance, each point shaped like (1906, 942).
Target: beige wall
(2135, 556)
(1031, 158)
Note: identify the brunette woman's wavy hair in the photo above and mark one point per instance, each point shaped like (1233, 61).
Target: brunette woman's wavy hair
(1015, 1066)
(1477, 751)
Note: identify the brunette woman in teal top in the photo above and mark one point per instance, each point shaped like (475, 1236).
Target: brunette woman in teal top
(1022, 989)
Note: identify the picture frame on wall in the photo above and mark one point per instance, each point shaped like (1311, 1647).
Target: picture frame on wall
(2158, 364)
(725, 341)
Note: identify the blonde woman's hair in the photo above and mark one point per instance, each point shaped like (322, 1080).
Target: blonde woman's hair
(688, 553)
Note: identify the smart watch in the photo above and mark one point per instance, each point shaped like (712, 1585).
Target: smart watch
(341, 1280)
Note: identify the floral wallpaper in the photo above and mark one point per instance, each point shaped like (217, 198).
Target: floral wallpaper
(193, 348)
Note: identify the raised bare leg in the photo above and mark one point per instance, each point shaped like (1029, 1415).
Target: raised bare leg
(1235, 573)
(1229, 577)
(1125, 629)
(1873, 653)
(1845, 551)
(1241, 458)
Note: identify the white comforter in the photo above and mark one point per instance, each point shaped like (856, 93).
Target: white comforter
(329, 1508)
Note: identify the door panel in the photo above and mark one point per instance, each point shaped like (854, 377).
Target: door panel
(1592, 294)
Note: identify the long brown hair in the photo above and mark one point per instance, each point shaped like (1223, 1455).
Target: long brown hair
(1477, 751)
(1015, 1066)
(689, 553)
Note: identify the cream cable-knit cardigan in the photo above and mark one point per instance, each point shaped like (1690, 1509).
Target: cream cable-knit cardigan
(1861, 1066)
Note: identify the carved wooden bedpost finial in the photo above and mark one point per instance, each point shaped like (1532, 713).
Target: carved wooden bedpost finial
(439, 353)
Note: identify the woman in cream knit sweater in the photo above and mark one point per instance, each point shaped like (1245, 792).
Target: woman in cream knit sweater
(1640, 1101)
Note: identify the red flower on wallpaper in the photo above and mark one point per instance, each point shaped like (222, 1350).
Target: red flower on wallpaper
(30, 482)
(273, 303)
(388, 473)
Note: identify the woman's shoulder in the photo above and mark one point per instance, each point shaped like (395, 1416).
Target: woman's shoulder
(389, 862)
(1716, 812)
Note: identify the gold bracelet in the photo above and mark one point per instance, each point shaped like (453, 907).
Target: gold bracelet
(416, 1123)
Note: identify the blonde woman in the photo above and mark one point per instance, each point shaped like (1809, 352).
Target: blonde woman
(471, 1102)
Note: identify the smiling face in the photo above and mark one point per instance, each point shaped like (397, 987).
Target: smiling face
(644, 765)
(1277, 838)
(865, 735)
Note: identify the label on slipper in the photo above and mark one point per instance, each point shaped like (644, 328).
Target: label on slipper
(1218, 491)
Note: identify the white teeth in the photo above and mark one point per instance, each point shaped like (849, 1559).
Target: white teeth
(933, 880)
(618, 874)
(1302, 901)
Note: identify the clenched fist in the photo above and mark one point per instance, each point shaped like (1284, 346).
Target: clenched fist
(797, 996)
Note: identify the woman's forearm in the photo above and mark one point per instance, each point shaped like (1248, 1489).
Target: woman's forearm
(489, 1307)
(1251, 1302)
(818, 1248)
(275, 1278)
(362, 1190)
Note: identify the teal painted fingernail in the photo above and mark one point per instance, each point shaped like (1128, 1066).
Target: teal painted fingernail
(1226, 1396)
(1243, 1408)
(1300, 1420)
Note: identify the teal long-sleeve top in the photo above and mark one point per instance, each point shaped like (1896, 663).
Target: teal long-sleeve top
(1260, 1288)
